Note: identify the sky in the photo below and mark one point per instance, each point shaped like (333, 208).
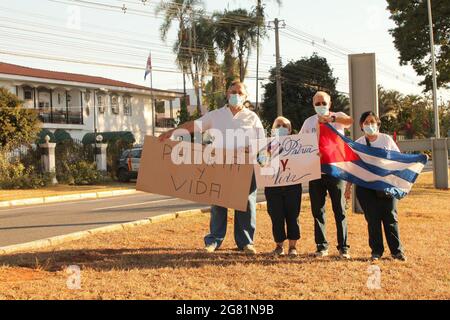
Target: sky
(97, 37)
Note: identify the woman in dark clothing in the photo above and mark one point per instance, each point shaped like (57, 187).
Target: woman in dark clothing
(283, 204)
(380, 210)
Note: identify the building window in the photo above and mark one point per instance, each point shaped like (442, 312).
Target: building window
(101, 103)
(127, 105)
(27, 93)
(160, 107)
(44, 110)
(115, 104)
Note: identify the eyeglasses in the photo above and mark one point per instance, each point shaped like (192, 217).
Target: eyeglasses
(320, 103)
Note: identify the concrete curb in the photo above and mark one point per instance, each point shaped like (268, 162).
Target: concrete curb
(43, 243)
(66, 197)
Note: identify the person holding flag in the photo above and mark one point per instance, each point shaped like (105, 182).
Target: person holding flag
(380, 209)
(335, 186)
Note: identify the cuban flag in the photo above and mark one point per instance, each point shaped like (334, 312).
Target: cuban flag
(148, 67)
(373, 168)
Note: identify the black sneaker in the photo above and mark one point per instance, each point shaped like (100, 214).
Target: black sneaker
(399, 256)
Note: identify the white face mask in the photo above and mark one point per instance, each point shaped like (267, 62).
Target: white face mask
(370, 129)
(235, 100)
(322, 110)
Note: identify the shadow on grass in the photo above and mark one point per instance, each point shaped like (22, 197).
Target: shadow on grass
(150, 258)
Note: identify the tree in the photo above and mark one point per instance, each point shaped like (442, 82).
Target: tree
(300, 81)
(185, 48)
(236, 34)
(19, 126)
(411, 37)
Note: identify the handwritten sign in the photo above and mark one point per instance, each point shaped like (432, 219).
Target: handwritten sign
(226, 185)
(288, 160)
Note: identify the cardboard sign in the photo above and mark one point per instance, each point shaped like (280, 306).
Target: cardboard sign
(287, 160)
(225, 185)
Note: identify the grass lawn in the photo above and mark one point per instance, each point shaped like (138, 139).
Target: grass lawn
(165, 261)
(60, 189)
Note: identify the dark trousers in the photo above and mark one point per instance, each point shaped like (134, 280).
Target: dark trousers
(317, 193)
(283, 205)
(380, 211)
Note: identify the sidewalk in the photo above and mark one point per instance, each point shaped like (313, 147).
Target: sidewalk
(58, 193)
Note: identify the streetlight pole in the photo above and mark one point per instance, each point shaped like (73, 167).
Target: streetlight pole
(433, 66)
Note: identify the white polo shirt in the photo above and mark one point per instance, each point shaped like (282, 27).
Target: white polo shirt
(245, 124)
(310, 124)
(383, 141)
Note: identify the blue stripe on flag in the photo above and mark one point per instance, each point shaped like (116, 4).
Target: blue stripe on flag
(405, 174)
(381, 153)
(375, 185)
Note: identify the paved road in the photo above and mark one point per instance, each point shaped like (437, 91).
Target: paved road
(28, 223)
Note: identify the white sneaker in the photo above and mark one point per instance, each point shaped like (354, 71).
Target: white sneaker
(344, 254)
(210, 248)
(250, 249)
(321, 253)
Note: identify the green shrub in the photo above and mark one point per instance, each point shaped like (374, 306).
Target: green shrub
(15, 175)
(69, 152)
(84, 173)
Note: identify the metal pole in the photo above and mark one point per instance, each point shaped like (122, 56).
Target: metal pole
(433, 66)
(152, 98)
(278, 69)
(258, 10)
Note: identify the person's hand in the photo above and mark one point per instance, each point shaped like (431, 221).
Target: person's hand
(325, 119)
(166, 135)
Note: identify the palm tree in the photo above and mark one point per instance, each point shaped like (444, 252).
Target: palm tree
(236, 34)
(180, 11)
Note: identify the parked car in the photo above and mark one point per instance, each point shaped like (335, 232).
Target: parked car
(128, 164)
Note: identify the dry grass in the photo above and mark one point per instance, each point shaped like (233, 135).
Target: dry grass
(165, 261)
(59, 190)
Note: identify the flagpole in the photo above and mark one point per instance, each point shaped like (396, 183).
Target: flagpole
(152, 98)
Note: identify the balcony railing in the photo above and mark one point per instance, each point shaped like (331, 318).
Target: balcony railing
(165, 123)
(71, 116)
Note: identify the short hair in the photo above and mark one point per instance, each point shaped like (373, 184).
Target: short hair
(365, 115)
(322, 93)
(239, 83)
(286, 120)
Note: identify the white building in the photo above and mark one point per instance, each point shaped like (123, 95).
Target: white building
(80, 103)
(172, 108)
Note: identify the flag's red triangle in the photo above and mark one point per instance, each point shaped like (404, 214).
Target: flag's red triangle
(333, 148)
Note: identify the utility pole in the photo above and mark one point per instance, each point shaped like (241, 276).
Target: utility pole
(258, 17)
(276, 24)
(433, 66)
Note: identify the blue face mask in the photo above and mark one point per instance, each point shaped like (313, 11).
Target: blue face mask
(235, 100)
(370, 129)
(281, 131)
(321, 110)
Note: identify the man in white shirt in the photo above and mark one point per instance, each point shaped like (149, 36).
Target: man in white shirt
(230, 127)
(335, 187)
